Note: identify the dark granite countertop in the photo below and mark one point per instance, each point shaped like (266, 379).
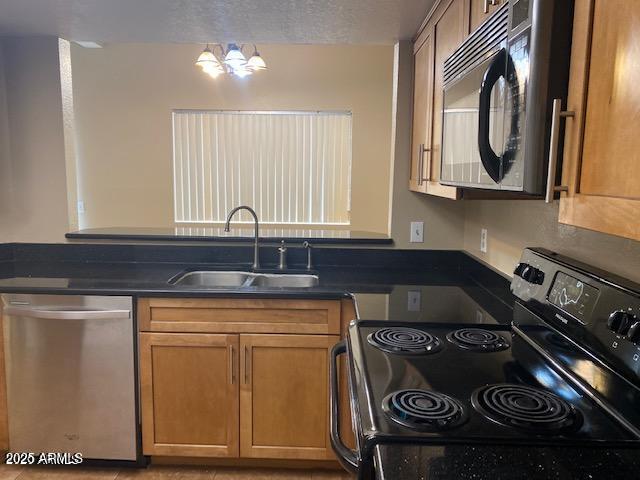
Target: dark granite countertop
(236, 235)
(449, 284)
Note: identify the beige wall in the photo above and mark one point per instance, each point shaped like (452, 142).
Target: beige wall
(443, 219)
(124, 95)
(32, 160)
(5, 166)
(513, 225)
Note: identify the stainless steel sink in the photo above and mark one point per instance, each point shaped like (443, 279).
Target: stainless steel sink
(224, 279)
(284, 280)
(213, 279)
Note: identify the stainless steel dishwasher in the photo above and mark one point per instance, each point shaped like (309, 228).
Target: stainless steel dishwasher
(71, 375)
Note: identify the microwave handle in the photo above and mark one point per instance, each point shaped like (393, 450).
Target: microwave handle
(490, 161)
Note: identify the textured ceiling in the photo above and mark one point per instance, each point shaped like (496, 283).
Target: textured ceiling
(259, 21)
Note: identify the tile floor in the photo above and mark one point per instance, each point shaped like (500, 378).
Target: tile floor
(10, 472)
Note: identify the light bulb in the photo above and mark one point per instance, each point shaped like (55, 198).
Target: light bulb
(234, 57)
(213, 71)
(242, 71)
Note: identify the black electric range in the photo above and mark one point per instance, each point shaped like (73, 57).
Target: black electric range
(555, 394)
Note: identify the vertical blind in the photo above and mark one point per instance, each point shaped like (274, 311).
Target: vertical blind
(291, 167)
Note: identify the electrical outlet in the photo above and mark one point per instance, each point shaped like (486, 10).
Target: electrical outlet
(80, 207)
(413, 301)
(483, 240)
(417, 232)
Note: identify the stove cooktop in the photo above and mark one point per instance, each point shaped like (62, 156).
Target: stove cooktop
(448, 383)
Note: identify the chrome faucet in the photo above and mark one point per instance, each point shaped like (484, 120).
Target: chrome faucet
(256, 254)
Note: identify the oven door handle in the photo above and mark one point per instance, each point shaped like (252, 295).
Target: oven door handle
(490, 161)
(347, 457)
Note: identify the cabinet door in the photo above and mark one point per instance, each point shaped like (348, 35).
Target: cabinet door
(189, 394)
(450, 26)
(601, 165)
(480, 10)
(422, 111)
(284, 397)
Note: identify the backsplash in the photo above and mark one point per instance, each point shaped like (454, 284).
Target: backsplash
(513, 225)
(427, 260)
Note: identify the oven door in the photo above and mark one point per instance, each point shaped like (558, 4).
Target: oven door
(472, 126)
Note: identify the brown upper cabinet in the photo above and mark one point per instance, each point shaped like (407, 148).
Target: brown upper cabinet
(601, 166)
(445, 28)
(422, 111)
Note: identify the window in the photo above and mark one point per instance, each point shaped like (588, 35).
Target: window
(291, 167)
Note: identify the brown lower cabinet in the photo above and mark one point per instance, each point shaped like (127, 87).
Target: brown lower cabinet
(238, 395)
(284, 396)
(189, 393)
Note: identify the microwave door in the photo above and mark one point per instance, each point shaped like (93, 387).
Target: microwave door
(461, 164)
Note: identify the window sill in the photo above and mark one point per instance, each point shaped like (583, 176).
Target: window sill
(236, 235)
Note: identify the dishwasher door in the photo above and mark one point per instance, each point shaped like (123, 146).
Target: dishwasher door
(70, 375)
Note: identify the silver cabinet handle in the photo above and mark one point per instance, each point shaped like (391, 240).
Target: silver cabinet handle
(420, 162)
(421, 151)
(556, 115)
(231, 369)
(66, 314)
(246, 365)
(428, 178)
(485, 8)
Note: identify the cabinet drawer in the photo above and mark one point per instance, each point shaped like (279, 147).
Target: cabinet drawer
(239, 315)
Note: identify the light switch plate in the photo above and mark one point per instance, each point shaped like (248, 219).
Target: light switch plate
(414, 300)
(417, 232)
(80, 207)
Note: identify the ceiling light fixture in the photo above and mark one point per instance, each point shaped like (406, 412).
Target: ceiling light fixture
(234, 61)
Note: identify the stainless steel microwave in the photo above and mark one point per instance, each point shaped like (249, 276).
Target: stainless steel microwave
(499, 92)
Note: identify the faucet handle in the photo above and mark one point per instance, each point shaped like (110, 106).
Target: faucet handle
(283, 256)
(307, 245)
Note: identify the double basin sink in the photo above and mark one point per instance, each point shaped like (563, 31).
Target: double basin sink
(236, 279)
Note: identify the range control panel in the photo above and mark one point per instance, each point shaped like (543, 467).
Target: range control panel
(597, 310)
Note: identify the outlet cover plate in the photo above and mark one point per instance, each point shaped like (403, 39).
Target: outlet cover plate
(483, 240)
(414, 301)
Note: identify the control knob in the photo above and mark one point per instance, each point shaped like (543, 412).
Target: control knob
(633, 335)
(621, 322)
(529, 273)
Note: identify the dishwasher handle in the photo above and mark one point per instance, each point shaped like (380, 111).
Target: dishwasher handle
(54, 314)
